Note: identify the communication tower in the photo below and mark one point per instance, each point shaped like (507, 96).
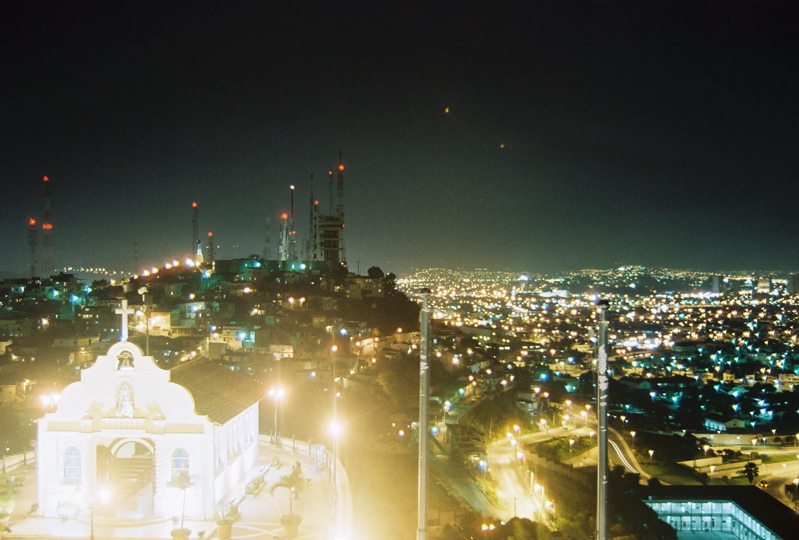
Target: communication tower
(195, 240)
(330, 228)
(33, 239)
(210, 249)
(47, 240)
(283, 247)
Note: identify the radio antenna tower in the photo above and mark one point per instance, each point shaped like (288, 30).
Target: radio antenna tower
(47, 227)
(312, 241)
(33, 239)
(195, 241)
(210, 249)
(340, 205)
(292, 231)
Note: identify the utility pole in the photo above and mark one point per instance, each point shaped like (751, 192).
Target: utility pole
(602, 425)
(424, 355)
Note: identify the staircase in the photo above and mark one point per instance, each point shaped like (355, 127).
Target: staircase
(129, 476)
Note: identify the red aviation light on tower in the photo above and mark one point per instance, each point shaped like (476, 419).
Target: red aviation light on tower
(284, 215)
(46, 179)
(32, 222)
(47, 226)
(341, 167)
(210, 234)
(194, 205)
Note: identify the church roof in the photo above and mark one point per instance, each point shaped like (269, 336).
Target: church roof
(218, 392)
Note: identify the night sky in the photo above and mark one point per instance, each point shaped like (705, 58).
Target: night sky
(524, 136)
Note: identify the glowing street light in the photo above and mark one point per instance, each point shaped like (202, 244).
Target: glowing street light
(276, 394)
(651, 452)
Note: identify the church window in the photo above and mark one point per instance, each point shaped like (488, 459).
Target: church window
(180, 464)
(72, 465)
(125, 403)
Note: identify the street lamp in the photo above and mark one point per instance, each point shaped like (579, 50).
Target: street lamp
(650, 456)
(335, 431)
(277, 395)
(632, 434)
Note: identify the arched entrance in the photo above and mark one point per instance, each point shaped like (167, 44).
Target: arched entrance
(126, 470)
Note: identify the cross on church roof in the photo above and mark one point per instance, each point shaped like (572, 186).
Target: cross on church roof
(124, 311)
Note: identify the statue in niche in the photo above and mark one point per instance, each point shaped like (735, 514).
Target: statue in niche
(125, 361)
(125, 405)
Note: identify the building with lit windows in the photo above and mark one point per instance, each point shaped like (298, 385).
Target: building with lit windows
(743, 512)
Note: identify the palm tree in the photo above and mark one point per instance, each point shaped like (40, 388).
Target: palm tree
(750, 471)
(294, 482)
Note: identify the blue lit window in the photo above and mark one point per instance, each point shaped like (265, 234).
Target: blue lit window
(180, 464)
(72, 464)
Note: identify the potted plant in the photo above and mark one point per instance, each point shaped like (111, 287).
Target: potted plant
(182, 482)
(226, 514)
(224, 528)
(294, 482)
(291, 524)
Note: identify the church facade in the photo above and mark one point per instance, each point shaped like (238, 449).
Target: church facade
(132, 440)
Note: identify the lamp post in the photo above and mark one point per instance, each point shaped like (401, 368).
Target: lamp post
(632, 434)
(277, 395)
(335, 431)
(650, 456)
(424, 390)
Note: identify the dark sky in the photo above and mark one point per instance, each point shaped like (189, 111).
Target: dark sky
(579, 134)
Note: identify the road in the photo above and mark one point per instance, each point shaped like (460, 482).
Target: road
(518, 493)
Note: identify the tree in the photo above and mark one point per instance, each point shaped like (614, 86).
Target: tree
(750, 471)
(182, 482)
(294, 482)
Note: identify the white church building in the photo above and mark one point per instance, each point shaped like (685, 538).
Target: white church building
(126, 437)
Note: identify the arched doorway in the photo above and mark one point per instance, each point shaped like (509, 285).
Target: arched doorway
(127, 469)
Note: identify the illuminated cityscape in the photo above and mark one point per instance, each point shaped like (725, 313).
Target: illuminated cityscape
(399, 271)
(704, 367)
